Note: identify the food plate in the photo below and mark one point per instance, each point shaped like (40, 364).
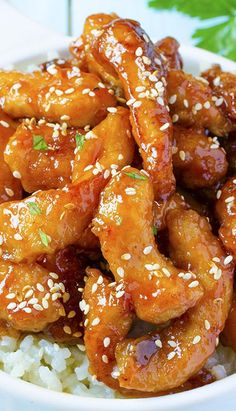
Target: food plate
(23, 396)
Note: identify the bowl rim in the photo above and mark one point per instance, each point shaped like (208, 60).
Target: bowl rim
(32, 393)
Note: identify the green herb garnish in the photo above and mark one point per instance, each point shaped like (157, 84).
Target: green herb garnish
(34, 208)
(79, 139)
(39, 143)
(44, 238)
(216, 35)
(154, 230)
(136, 176)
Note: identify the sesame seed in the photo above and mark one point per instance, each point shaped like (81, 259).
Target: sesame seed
(218, 274)
(219, 101)
(229, 199)
(96, 321)
(137, 104)
(22, 305)
(151, 267)
(59, 93)
(166, 272)
(139, 52)
(1, 240)
(216, 259)
(207, 325)
(16, 174)
(94, 288)
(147, 250)
(65, 117)
(173, 99)
(106, 174)
(198, 106)
(130, 191)
(112, 109)
(182, 155)
(216, 81)
(218, 194)
(228, 259)
(196, 339)
(89, 167)
(11, 306)
(106, 342)
(54, 275)
(130, 101)
(29, 293)
(4, 124)
(67, 329)
(86, 91)
(45, 303)
(9, 192)
(91, 94)
(27, 310)
(120, 271)
(171, 355)
(158, 343)
(71, 314)
(105, 359)
(33, 301)
(100, 280)
(10, 296)
(120, 294)
(40, 287)
(139, 89)
(165, 126)
(175, 118)
(126, 256)
(18, 237)
(172, 344)
(50, 283)
(186, 104)
(207, 104)
(193, 284)
(70, 90)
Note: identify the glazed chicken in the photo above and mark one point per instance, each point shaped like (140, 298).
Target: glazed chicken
(117, 208)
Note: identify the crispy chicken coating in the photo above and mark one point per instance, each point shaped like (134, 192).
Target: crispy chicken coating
(105, 149)
(198, 160)
(169, 47)
(166, 359)
(48, 220)
(193, 103)
(27, 299)
(56, 94)
(223, 85)
(10, 187)
(126, 48)
(108, 313)
(43, 154)
(226, 212)
(159, 290)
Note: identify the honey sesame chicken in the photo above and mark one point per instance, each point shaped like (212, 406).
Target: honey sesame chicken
(10, 186)
(117, 209)
(55, 93)
(158, 290)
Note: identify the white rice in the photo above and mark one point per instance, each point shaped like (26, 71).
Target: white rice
(50, 365)
(65, 369)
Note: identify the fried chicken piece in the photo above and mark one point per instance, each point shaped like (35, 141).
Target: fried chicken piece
(42, 153)
(124, 48)
(223, 85)
(27, 301)
(10, 187)
(226, 212)
(108, 318)
(169, 47)
(123, 224)
(192, 103)
(166, 359)
(56, 95)
(198, 160)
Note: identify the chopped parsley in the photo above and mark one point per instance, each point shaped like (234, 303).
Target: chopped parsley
(45, 239)
(136, 176)
(39, 143)
(154, 230)
(79, 139)
(34, 208)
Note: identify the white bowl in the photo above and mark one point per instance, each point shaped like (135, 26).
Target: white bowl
(17, 395)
